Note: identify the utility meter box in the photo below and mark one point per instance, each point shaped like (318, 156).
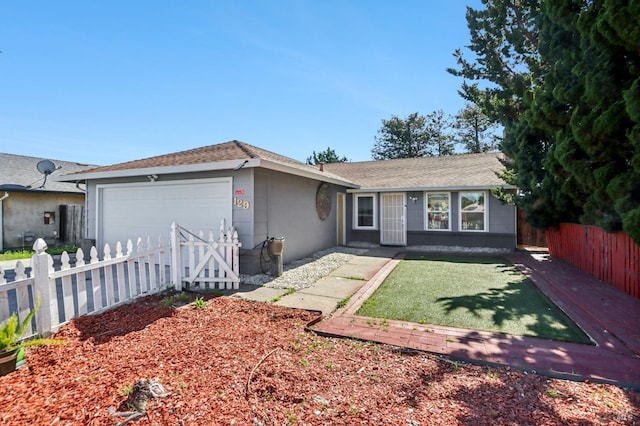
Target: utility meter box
(276, 246)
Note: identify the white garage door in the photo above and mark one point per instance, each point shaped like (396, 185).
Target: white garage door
(129, 211)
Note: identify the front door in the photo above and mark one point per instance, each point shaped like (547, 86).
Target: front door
(393, 225)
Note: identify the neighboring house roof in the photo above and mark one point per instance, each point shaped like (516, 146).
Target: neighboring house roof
(465, 171)
(224, 156)
(19, 173)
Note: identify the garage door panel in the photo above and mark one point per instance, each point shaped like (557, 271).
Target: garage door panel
(130, 211)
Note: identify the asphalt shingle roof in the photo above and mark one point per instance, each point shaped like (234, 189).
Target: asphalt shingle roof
(19, 173)
(227, 151)
(455, 171)
(232, 150)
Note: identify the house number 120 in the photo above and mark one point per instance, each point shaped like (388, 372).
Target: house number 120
(240, 203)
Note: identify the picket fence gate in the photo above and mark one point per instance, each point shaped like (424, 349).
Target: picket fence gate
(189, 261)
(203, 263)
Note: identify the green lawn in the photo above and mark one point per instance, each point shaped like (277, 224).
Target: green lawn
(472, 292)
(25, 254)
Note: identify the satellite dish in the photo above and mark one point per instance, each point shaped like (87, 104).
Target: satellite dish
(46, 167)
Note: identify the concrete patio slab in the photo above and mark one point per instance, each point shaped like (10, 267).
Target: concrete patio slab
(255, 293)
(324, 295)
(365, 266)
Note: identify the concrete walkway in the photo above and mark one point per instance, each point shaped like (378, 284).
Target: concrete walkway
(325, 294)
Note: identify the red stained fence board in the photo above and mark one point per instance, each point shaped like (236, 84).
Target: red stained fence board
(613, 258)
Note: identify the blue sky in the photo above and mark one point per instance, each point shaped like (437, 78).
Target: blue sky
(113, 81)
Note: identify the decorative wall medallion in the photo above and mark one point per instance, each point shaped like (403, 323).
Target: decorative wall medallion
(323, 201)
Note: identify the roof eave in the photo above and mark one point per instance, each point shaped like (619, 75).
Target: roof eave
(271, 165)
(162, 170)
(434, 188)
(40, 191)
(202, 167)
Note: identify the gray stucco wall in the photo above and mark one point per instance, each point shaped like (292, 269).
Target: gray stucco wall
(501, 226)
(360, 236)
(285, 206)
(502, 218)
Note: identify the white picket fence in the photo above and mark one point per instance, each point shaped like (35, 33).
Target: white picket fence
(23, 289)
(189, 261)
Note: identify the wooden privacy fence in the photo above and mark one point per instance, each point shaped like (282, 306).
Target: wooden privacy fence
(527, 234)
(97, 285)
(71, 220)
(613, 258)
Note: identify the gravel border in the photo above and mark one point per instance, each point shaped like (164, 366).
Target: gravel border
(304, 272)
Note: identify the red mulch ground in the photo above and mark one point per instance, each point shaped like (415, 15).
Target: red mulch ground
(244, 363)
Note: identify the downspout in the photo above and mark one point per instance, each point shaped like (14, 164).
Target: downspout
(5, 196)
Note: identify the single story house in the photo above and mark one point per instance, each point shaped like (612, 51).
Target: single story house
(421, 201)
(33, 205)
(431, 201)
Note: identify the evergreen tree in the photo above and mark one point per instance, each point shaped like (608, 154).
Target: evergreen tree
(475, 132)
(414, 136)
(549, 108)
(563, 78)
(326, 156)
(403, 138)
(504, 45)
(607, 125)
(580, 105)
(439, 128)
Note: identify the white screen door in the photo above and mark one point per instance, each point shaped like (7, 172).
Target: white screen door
(393, 225)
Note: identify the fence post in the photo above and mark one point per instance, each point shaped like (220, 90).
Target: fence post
(236, 258)
(41, 264)
(176, 257)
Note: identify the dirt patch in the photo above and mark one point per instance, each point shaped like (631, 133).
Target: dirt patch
(247, 363)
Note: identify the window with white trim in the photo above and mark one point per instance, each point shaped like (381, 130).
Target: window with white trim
(473, 211)
(437, 208)
(365, 213)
